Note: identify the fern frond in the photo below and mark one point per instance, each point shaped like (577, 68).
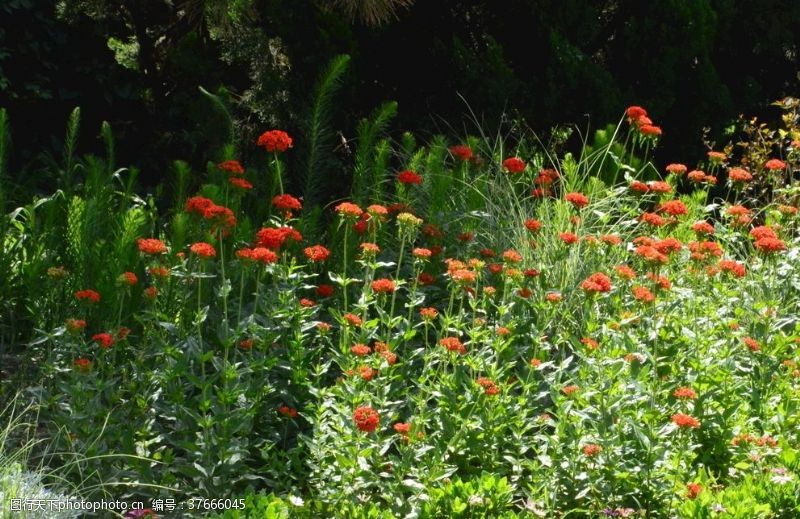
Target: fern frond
(71, 140)
(319, 133)
(369, 130)
(226, 120)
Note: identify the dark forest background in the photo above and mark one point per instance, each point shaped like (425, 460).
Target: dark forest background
(138, 64)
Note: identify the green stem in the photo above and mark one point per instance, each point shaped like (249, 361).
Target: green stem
(279, 173)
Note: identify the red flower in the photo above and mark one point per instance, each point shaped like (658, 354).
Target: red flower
(88, 295)
(151, 246)
(75, 325)
(453, 344)
(769, 245)
(660, 187)
(325, 290)
(693, 490)
(346, 209)
(597, 282)
(204, 250)
(611, 239)
(82, 364)
(685, 421)
(649, 130)
(274, 239)
(316, 253)
(105, 340)
(151, 293)
(461, 152)
(577, 199)
(763, 231)
(366, 419)
(466, 237)
(275, 141)
(639, 187)
(402, 428)
(703, 227)
(533, 225)
(737, 210)
(258, 254)
(288, 412)
(240, 183)
(625, 272)
(352, 319)
(735, 268)
(383, 286)
(546, 177)
(652, 219)
(287, 203)
(409, 177)
(231, 166)
(426, 279)
(751, 344)
(128, 278)
(673, 207)
(198, 204)
(634, 113)
(514, 165)
(488, 385)
(568, 237)
(667, 245)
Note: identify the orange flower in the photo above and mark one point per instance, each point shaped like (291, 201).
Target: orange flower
(383, 286)
(591, 450)
(352, 320)
(685, 393)
(597, 282)
(428, 313)
(360, 350)
(348, 209)
(685, 421)
(316, 253)
(204, 250)
(577, 199)
(151, 246)
(453, 344)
